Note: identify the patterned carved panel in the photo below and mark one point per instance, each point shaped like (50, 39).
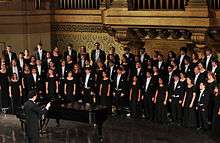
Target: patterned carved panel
(98, 28)
(87, 39)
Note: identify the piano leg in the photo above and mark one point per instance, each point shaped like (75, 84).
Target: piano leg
(100, 137)
(58, 122)
(43, 125)
(22, 125)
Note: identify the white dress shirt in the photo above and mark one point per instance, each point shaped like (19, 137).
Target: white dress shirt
(48, 60)
(207, 61)
(159, 64)
(186, 68)
(39, 69)
(63, 71)
(181, 60)
(214, 68)
(196, 78)
(147, 83)
(138, 71)
(111, 71)
(118, 80)
(10, 56)
(87, 80)
(200, 95)
(69, 52)
(21, 61)
(35, 77)
(97, 54)
(15, 69)
(40, 51)
(170, 76)
(142, 58)
(175, 84)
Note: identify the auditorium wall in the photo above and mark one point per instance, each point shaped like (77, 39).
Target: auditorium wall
(19, 42)
(24, 29)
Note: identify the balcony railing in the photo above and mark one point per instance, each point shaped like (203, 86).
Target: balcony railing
(157, 4)
(79, 4)
(214, 4)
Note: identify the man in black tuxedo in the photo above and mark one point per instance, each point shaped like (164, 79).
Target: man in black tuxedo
(129, 57)
(138, 71)
(170, 73)
(144, 57)
(112, 70)
(34, 81)
(88, 84)
(41, 69)
(119, 90)
(187, 68)
(98, 54)
(202, 106)
(72, 52)
(177, 93)
(9, 55)
(20, 60)
(14, 68)
(161, 65)
(39, 53)
(198, 78)
(216, 70)
(181, 57)
(33, 114)
(62, 73)
(148, 92)
(114, 57)
(83, 56)
(209, 57)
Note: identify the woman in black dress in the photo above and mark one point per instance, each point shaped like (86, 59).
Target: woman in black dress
(4, 83)
(32, 62)
(56, 57)
(170, 57)
(25, 76)
(195, 60)
(70, 87)
(52, 85)
(27, 57)
(160, 102)
(203, 71)
(77, 74)
(216, 113)
(125, 65)
(104, 90)
(211, 83)
(99, 77)
(69, 63)
(183, 79)
(134, 98)
(15, 92)
(189, 114)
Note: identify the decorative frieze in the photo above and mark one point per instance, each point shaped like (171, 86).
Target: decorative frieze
(72, 27)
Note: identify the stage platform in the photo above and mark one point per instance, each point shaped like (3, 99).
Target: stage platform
(115, 130)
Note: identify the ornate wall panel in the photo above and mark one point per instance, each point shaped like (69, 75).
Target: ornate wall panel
(83, 35)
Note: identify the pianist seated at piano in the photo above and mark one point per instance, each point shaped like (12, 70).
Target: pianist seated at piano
(33, 114)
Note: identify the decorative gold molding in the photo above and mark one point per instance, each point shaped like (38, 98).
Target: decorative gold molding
(199, 37)
(71, 27)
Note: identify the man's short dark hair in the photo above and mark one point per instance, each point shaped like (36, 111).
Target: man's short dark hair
(32, 93)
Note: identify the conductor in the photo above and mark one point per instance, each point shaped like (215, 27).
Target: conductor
(33, 114)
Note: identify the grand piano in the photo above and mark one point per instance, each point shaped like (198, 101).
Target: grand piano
(73, 111)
